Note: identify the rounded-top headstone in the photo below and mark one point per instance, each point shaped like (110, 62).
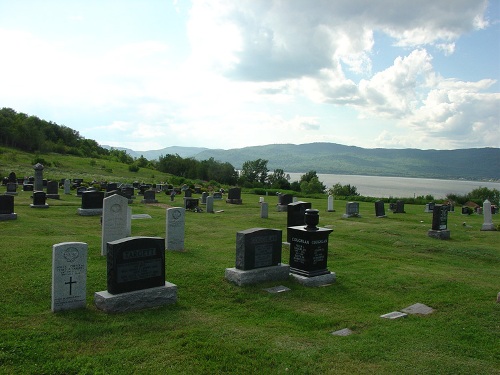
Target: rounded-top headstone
(38, 167)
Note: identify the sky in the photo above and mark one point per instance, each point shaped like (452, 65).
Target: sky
(227, 74)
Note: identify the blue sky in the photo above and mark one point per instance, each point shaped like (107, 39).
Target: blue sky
(228, 74)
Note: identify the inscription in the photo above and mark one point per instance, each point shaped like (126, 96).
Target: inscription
(139, 253)
(139, 270)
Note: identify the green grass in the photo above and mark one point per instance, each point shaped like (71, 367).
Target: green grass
(382, 265)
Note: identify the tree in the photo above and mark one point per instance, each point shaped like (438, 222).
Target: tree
(343, 190)
(278, 180)
(254, 171)
(310, 183)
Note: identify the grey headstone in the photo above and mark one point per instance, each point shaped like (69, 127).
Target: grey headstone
(175, 224)
(210, 204)
(69, 276)
(264, 210)
(115, 223)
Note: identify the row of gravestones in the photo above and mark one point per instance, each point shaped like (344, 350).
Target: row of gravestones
(136, 265)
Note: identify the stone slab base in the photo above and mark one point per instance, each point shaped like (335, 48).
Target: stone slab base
(53, 196)
(488, 227)
(282, 208)
(149, 201)
(8, 216)
(316, 280)
(39, 205)
(439, 234)
(346, 216)
(247, 277)
(10, 193)
(89, 211)
(136, 300)
(234, 201)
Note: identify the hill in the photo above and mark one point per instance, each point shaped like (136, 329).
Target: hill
(184, 152)
(476, 163)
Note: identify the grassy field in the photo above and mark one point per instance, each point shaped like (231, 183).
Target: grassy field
(382, 265)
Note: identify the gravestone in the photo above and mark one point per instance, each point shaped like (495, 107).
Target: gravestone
(115, 220)
(204, 196)
(69, 276)
(210, 204)
(351, 210)
(128, 192)
(309, 252)
(439, 223)
(379, 209)
(258, 257)
(175, 228)
(488, 219)
(429, 207)
(283, 201)
(80, 190)
(7, 208)
(295, 215)
(191, 203)
(135, 275)
(67, 186)
(12, 177)
(28, 187)
(11, 188)
(149, 197)
(38, 182)
(400, 207)
(53, 190)
(111, 186)
(234, 196)
(217, 195)
(92, 203)
(330, 204)
(188, 193)
(264, 210)
(39, 200)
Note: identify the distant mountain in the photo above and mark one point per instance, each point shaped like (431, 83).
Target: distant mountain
(474, 163)
(184, 152)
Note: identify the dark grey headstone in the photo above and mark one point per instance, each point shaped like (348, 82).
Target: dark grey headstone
(439, 217)
(296, 215)
(379, 209)
(258, 247)
(6, 204)
(92, 199)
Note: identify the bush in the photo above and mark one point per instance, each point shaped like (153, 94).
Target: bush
(133, 168)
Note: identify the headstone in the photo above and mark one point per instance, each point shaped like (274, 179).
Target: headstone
(429, 207)
(67, 186)
(217, 195)
(69, 276)
(115, 220)
(149, 197)
(283, 201)
(296, 215)
(53, 190)
(11, 188)
(439, 223)
(258, 257)
(112, 186)
(466, 210)
(175, 228)
(92, 203)
(80, 190)
(234, 196)
(210, 204)
(400, 207)
(188, 193)
(330, 203)
(135, 276)
(351, 210)
(264, 210)
(488, 220)
(28, 187)
(7, 208)
(204, 196)
(309, 251)
(39, 200)
(38, 177)
(12, 177)
(191, 203)
(379, 209)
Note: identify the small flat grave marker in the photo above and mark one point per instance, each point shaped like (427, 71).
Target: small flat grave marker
(418, 308)
(342, 332)
(394, 315)
(277, 289)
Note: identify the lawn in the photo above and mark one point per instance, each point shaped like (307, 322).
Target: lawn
(381, 264)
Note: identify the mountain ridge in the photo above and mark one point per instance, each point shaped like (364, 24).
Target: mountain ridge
(333, 158)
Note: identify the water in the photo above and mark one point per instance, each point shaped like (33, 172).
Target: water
(402, 187)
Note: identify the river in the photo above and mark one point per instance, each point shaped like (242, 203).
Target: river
(401, 187)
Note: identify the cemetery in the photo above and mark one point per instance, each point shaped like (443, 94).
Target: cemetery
(221, 289)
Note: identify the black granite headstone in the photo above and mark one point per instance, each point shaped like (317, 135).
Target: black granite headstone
(135, 263)
(257, 248)
(191, 203)
(12, 177)
(92, 199)
(440, 217)
(296, 215)
(379, 209)
(39, 198)
(6, 204)
(400, 207)
(285, 199)
(309, 247)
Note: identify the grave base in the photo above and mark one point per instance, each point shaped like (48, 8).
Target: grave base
(315, 280)
(439, 234)
(234, 201)
(89, 211)
(347, 216)
(39, 205)
(257, 275)
(11, 193)
(53, 196)
(488, 227)
(149, 201)
(136, 300)
(282, 207)
(8, 217)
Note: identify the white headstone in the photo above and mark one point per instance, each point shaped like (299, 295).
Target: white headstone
(174, 236)
(264, 210)
(210, 204)
(330, 203)
(69, 276)
(488, 220)
(67, 186)
(261, 199)
(116, 219)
